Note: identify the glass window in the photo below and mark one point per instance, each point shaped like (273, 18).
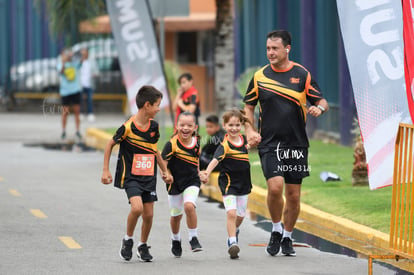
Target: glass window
(187, 47)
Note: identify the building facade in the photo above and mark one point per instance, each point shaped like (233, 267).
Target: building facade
(24, 35)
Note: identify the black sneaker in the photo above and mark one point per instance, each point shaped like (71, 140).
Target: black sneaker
(126, 249)
(176, 249)
(274, 244)
(234, 250)
(143, 253)
(195, 245)
(287, 247)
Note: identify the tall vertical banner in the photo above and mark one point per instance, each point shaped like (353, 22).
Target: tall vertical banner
(139, 54)
(408, 7)
(374, 47)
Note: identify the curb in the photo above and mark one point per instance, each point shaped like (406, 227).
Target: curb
(98, 139)
(360, 238)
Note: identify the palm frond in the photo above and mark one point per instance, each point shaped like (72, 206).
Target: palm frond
(65, 15)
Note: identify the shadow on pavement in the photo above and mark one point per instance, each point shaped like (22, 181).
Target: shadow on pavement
(62, 146)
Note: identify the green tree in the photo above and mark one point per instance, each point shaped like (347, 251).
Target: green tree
(65, 15)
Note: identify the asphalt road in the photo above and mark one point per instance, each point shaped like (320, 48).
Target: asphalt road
(57, 218)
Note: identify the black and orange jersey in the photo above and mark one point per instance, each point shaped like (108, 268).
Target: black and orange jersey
(282, 96)
(137, 154)
(234, 176)
(182, 163)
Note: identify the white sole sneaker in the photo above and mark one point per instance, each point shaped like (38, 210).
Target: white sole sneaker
(144, 261)
(120, 255)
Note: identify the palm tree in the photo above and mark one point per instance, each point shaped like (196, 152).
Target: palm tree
(224, 55)
(65, 15)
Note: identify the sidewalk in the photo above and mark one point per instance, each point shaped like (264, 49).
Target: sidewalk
(65, 186)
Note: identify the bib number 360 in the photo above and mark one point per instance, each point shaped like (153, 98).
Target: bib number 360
(143, 165)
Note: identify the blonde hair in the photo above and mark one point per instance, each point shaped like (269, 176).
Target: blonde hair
(240, 114)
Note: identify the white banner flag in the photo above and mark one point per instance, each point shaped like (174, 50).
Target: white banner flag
(373, 40)
(139, 54)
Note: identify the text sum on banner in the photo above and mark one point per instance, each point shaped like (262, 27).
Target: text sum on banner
(372, 35)
(139, 54)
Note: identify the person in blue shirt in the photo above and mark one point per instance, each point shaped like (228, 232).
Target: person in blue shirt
(70, 89)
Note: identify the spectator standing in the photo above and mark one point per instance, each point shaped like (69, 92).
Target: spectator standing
(86, 77)
(187, 99)
(70, 90)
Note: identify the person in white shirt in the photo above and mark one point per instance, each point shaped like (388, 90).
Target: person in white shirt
(86, 74)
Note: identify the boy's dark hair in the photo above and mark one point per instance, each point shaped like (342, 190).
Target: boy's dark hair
(213, 119)
(283, 34)
(147, 94)
(188, 76)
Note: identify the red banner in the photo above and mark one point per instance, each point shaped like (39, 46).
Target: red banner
(408, 35)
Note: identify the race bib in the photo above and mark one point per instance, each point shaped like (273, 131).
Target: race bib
(143, 165)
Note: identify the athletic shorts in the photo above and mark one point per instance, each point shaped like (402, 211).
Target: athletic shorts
(290, 163)
(238, 203)
(135, 190)
(73, 99)
(177, 202)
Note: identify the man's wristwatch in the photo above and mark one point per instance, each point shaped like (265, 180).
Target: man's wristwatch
(321, 108)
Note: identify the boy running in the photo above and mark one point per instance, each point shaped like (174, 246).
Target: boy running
(136, 171)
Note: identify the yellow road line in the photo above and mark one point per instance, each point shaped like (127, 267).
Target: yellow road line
(69, 242)
(38, 213)
(15, 193)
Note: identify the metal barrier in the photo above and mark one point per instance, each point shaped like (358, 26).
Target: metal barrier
(401, 243)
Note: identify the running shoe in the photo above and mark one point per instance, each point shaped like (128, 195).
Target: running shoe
(126, 249)
(195, 245)
(143, 253)
(91, 117)
(176, 249)
(234, 250)
(274, 243)
(287, 247)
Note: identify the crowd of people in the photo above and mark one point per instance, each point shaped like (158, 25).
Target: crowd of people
(283, 89)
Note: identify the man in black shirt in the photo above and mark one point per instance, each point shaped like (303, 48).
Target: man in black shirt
(282, 88)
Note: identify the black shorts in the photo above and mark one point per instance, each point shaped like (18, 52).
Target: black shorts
(73, 99)
(236, 183)
(133, 189)
(290, 163)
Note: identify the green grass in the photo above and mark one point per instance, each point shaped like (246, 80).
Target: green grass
(359, 204)
(340, 198)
